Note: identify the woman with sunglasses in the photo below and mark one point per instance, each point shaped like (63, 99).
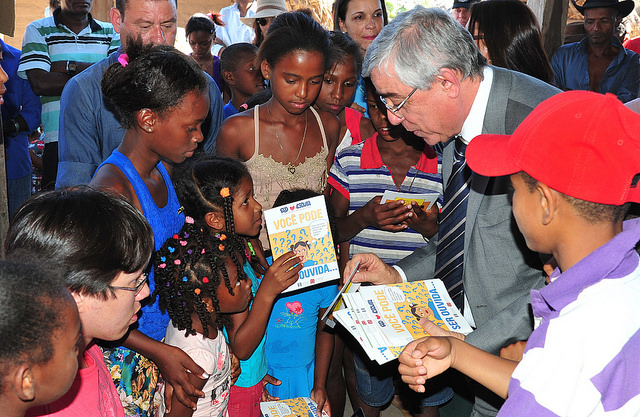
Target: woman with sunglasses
(266, 11)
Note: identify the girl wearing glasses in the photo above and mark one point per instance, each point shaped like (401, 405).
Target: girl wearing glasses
(103, 245)
(266, 11)
(286, 143)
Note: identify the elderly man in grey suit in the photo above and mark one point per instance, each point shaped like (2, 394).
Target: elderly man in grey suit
(433, 81)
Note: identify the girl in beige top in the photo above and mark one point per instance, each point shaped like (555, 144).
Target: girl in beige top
(285, 143)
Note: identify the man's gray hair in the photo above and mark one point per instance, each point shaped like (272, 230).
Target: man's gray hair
(418, 43)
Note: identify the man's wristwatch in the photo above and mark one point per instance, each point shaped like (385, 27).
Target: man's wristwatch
(72, 68)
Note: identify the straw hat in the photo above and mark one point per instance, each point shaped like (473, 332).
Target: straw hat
(266, 8)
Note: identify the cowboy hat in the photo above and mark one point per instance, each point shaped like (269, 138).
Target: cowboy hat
(624, 7)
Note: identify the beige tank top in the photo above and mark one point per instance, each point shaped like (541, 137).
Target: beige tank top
(271, 177)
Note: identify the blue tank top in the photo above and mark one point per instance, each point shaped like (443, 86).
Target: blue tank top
(165, 222)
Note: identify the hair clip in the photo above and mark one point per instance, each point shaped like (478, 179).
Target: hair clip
(188, 219)
(244, 106)
(202, 253)
(183, 243)
(181, 209)
(221, 247)
(163, 265)
(176, 237)
(123, 59)
(205, 279)
(185, 279)
(197, 291)
(186, 235)
(171, 249)
(223, 237)
(168, 284)
(177, 262)
(224, 192)
(163, 259)
(189, 251)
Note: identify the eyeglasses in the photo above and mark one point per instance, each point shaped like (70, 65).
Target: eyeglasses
(395, 109)
(263, 21)
(138, 287)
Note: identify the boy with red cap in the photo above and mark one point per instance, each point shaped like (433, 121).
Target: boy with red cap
(574, 168)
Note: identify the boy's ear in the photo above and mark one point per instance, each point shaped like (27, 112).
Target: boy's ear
(227, 76)
(215, 220)
(548, 202)
(24, 383)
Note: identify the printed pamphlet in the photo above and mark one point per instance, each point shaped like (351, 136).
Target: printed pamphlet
(294, 407)
(424, 200)
(303, 227)
(385, 318)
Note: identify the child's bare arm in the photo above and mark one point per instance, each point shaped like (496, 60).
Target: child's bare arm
(177, 408)
(430, 356)
(249, 326)
(324, 350)
(390, 216)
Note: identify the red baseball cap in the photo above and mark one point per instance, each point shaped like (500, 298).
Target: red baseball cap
(583, 144)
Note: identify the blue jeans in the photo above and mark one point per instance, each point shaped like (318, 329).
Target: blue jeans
(374, 384)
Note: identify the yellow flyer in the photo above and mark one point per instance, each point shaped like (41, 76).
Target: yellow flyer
(303, 227)
(294, 407)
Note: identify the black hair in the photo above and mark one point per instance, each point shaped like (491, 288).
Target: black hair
(93, 235)
(342, 46)
(340, 12)
(590, 211)
(258, 98)
(201, 22)
(190, 266)
(512, 35)
(32, 296)
(200, 184)
(232, 55)
(157, 77)
(301, 243)
(290, 196)
(294, 31)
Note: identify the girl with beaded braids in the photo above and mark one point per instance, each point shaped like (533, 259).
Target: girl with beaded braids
(161, 96)
(217, 193)
(199, 278)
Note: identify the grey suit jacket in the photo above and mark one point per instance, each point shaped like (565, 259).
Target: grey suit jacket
(499, 270)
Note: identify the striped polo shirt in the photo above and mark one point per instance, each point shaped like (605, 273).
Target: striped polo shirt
(359, 174)
(47, 40)
(583, 358)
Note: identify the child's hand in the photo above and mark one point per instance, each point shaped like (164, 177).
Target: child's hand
(281, 275)
(268, 379)
(175, 367)
(423, 221)
(390, 216)
(319, 395)
(235, 367)
(435, 330)
(424, 358)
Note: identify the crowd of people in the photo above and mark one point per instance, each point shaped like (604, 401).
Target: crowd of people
(160, 295)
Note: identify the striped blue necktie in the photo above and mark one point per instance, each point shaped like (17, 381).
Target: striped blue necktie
(450, 249)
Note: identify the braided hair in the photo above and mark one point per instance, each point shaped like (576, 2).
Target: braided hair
(190, 266)
(208, 183)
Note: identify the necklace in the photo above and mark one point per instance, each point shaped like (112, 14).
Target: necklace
(290, 167)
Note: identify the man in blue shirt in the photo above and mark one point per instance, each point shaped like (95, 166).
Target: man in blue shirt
(599, 62)
(89, 128)
(20, 116)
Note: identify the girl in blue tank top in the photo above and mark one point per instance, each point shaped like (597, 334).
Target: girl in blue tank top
(217, 193)
(161, 96)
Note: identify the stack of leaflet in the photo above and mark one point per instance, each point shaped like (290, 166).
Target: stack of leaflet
(385, 318)
(293, 407)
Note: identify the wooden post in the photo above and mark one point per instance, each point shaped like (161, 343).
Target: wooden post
(552, 16)
(100, 9)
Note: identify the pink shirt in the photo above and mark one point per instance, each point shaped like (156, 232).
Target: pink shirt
(92, 393)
